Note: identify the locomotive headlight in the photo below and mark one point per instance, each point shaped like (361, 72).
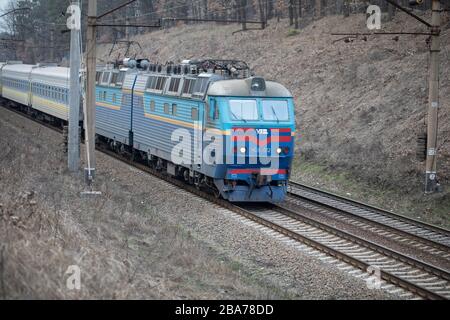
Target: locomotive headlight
(243, 150)
(279, 150)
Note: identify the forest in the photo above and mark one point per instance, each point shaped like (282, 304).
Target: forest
(35, 30)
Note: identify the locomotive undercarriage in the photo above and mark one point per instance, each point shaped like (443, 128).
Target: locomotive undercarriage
(162, 165)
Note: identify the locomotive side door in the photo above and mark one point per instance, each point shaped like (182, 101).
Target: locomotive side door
(199, 131)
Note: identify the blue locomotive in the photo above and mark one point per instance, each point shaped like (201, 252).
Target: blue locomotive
(208, 122)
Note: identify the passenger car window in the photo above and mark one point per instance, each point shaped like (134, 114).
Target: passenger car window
(242, 110)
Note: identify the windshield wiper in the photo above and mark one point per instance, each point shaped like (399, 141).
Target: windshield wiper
(275, 114)
(236, 117)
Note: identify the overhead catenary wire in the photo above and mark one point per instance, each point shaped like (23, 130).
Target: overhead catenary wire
(235, 8)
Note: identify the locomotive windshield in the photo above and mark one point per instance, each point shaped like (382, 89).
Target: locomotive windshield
(275, 110)
(243, 110)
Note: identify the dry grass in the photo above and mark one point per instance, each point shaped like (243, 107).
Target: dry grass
(124, 246)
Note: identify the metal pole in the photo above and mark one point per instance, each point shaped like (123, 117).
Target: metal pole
(431, 184)
(74, 99)
(52, 43)
(90, 89)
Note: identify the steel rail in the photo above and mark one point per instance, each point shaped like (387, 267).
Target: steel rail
(387, 276)
(365, 243)
(375, 210)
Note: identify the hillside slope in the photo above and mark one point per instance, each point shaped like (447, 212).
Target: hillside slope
(359, 105)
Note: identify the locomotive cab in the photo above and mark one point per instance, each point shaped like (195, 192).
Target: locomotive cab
(257, 125)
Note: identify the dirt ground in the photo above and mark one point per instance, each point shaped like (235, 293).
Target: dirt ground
(141, 238)
(359, 105)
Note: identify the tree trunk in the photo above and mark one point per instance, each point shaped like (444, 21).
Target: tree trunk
(391, 12)
(262, 13)
(244, 14)
(318, 8)
(291, 12)
(346, 8)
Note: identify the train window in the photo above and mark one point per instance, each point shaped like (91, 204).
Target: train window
(174, 109)
(114, 78)
(166, 108)
(160, 83)
(216, 113)
(151, 82)
(105, 78)
(243, 110)
(200, 85)
(174, 85)
(194, 114)
(120, 78)
(275, 110)
(188, 86)
(208, 111)
(152, 105)
(97, 76)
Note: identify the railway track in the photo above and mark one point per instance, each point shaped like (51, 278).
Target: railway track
(415, 276)
(420, 235)
(395, 269)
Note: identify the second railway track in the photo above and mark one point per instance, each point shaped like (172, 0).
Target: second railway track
(417, 234)
(418, 277)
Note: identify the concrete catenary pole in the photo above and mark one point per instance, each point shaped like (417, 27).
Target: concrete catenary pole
(433, 101)
(91, 44)
(74, 92)
(52, 42)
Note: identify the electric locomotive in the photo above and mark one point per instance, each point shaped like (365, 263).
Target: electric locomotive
(209, 122)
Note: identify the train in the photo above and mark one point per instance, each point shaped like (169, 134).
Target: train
(210, 122)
